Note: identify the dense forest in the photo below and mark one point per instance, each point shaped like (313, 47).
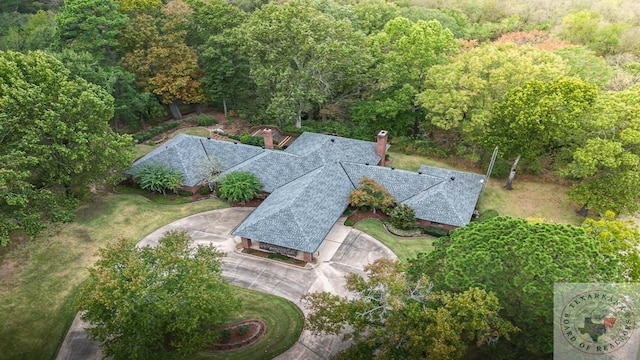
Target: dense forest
(553, 83)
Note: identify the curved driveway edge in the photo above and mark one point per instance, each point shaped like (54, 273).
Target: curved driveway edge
(344, 250)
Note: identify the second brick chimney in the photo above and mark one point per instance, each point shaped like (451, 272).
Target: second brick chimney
(381, 147)
(268, 138)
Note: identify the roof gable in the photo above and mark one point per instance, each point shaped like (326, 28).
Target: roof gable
(186, 153)
(300, 214)
(452, 201)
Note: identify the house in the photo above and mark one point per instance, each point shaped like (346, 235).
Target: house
(309, 185)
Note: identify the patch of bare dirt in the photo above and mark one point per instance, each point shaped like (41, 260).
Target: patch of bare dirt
(8, 269)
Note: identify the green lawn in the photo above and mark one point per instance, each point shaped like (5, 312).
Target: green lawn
(40, 277)
(196, 131)
(404, 247)
(284, 322)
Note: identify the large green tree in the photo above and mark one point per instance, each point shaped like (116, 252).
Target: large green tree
(92, 26)
(156, 302)
(55, 140)
(391, 317)
(537, 119)
(461, 95)
(302, 59)
(88, 43)
(519, 260)
(607, 159)
(404, 52)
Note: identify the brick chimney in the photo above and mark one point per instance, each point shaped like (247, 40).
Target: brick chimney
(381, 147)
(268, 138)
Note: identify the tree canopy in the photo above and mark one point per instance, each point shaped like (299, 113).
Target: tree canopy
(606, 160)
(519, 260)
(391, 317)
(537, 118)
(156, 302)
(301, 58)
(56, 140)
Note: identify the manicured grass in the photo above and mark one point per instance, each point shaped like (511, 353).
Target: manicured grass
(284, 325)
(527, 199)
(40, 277)
(404, 247)
(196, 131)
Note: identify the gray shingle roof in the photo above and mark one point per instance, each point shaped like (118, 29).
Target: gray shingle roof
(400, 184)
(276, 168)
(311, 181)
(301, 213)
(186, 154)
(332, 149)
(452, 201)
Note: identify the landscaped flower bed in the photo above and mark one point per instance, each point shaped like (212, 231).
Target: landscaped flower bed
(239, 335)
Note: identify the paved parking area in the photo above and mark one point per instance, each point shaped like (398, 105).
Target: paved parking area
(344, 250)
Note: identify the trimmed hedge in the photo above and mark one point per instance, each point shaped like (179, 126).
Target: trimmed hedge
(140, 137)
(435, 231)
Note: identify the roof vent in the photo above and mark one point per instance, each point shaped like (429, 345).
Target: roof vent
(393, 168)
(235, 142)
(366, 164)
(333, 140)
(420, 172)
(452, 178)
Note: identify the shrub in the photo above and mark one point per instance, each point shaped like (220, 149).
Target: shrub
(348, 222)
(435, 231)
(243, 329)
(183, 192)
(158, 177)
(371, 194)
(238, 186)
(403, 217)
(205, 120)
(140, 137)
(226, 334)
(245, 138)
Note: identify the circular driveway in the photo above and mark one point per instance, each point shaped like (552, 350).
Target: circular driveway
(344, 250)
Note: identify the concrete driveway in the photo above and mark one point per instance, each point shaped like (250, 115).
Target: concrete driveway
(344, 250)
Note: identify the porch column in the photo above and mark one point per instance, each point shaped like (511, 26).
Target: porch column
(246, 242)
(307, 256)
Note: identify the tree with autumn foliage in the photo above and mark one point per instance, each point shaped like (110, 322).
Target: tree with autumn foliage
(389, 316)
(371, 194)
(157, 53)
